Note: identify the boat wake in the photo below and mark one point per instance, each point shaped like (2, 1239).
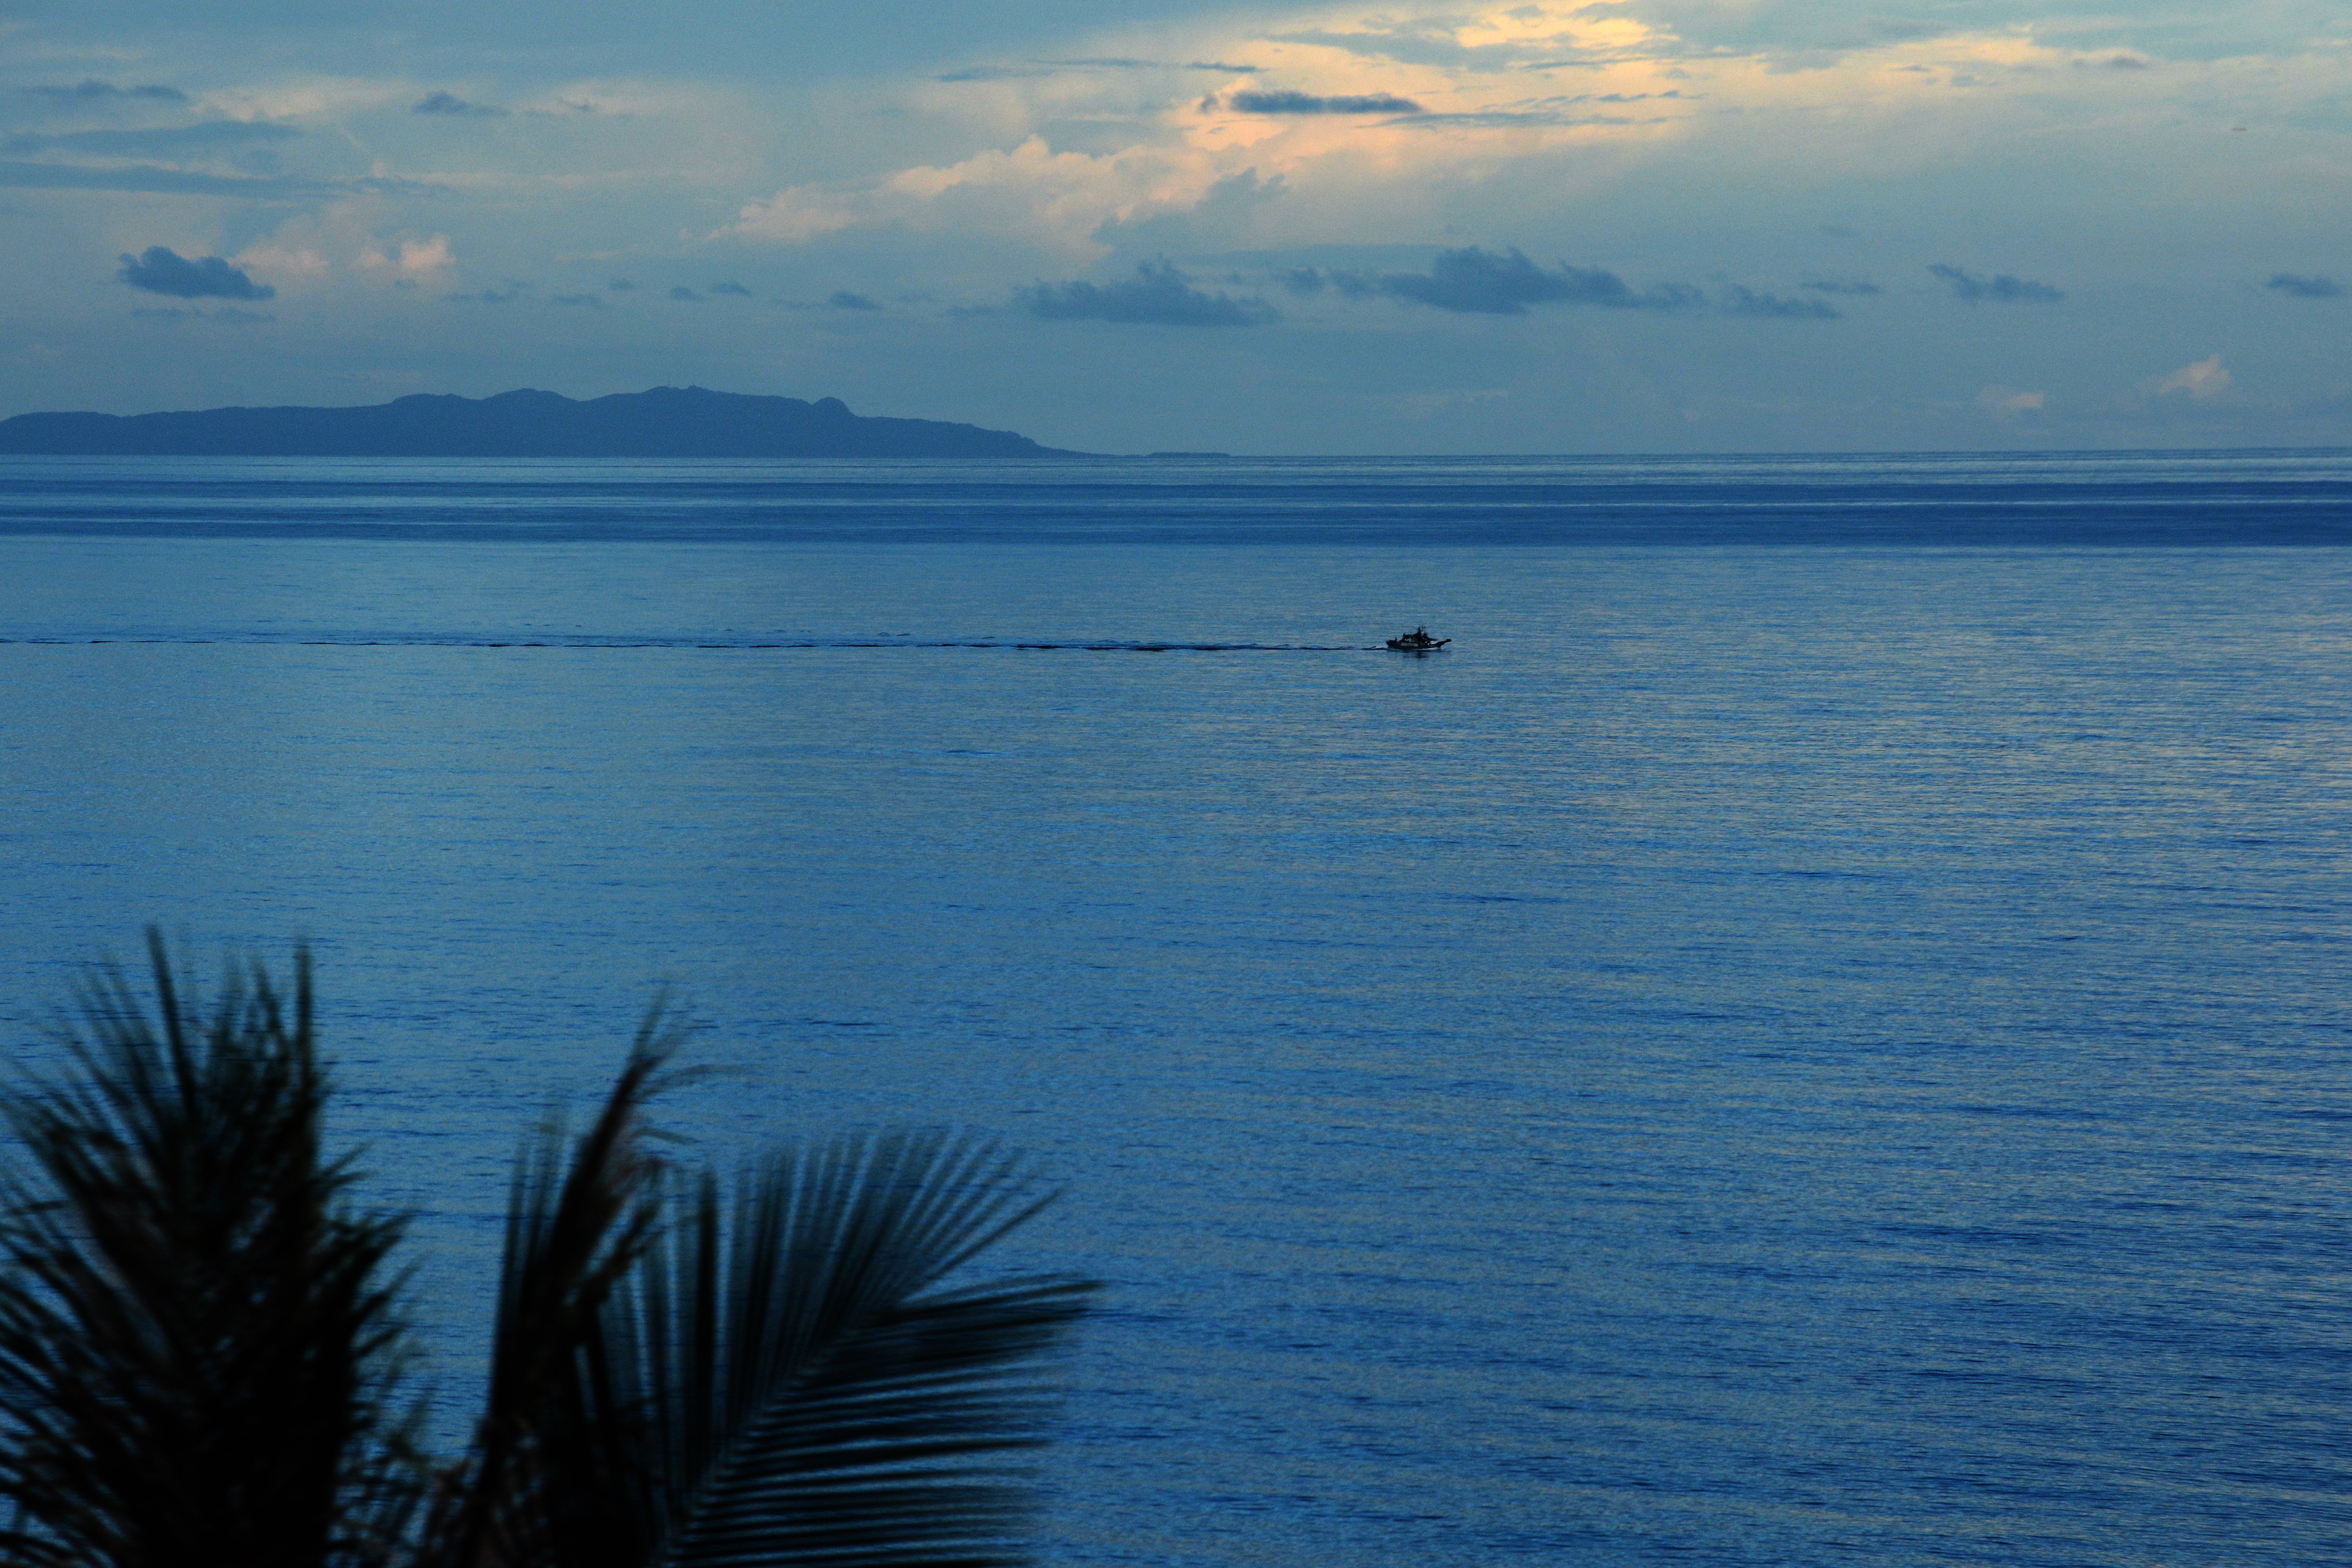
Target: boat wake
(747, 645)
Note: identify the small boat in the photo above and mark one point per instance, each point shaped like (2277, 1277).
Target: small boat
(1418, 640)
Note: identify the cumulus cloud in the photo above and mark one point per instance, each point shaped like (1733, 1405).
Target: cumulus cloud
(2201, 383)
(1157, 294)
(345, 242)
(160, 270)
(446, 103)
(2304, 288)
(86, 91)
(730, 287)
(1382, 118)
(1516, 36)
(842, 299)
(1473, 281)
(1840, 285)
(1999, 288)
(409, 261)
(1058, 200)
(1195, 226)
(1249, 101)
(682, 292)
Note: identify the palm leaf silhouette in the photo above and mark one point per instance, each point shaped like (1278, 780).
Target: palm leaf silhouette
(201, 1353)
(791, 1377)
(684, 1382)
(199, 1350)
(576, 1228)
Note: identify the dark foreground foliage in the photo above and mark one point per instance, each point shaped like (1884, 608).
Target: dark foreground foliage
(203, 1358)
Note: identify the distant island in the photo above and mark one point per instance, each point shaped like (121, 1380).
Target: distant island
(667, 422)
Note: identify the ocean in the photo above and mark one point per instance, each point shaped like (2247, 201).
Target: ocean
(1815, 1032)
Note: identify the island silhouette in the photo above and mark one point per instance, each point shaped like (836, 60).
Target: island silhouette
(665, 422)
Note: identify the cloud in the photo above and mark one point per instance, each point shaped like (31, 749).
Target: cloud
(2304, 288)
(2008, 403)
(1562, 110)
(160, 180)
(1199, 228)
(1059, 201)
(1032, 70)
(444, 103)
(408, 262)
(1249, 101)
(842, 299)
(1739, 300)
(1429, 42)
(85, 91)
(680, 291)
(346, 242)
(2200, 381)
(1473, 281)
(996, 73)
(1840, 285)
(579, 298)
(1521, 118)
(2001, 288)
(229, 314)
(621, 285)
(1783, 36)
(1480, 283)
(1158, 295)
(730, 287)
(159, 270)
(1123, 64)
(157, 142)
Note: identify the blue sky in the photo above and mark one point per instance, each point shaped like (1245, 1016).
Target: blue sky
(1636, 225)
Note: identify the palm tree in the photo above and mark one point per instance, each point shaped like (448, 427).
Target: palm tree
(684, 1373)
(200, 1358)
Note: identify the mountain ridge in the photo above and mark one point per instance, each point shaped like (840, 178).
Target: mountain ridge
(662, 422)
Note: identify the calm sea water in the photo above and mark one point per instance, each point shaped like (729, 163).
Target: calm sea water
(1815, 1032)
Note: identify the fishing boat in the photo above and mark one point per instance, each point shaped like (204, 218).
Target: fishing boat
(1418, 640)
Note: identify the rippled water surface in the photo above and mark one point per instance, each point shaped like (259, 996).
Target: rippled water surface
(1814, 1033)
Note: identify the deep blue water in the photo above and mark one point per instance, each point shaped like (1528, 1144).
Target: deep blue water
(1815, 1032)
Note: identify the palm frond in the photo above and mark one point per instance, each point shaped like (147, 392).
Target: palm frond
(789, 1378)
(199, 1348)
(578, 1219)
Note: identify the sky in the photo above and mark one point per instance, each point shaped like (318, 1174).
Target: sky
(1629, 225)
